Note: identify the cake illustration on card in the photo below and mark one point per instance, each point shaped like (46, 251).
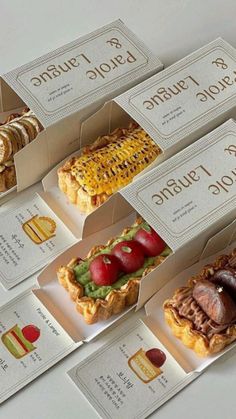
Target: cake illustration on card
(20, 342)
(147, 364)
(40, 229)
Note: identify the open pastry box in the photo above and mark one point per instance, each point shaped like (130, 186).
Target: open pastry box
(40, 327)
(144, 365)
(167, 197)
(169, 106)
(66, 86)
(189, 196)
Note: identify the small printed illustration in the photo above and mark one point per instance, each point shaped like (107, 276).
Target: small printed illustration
(39, 229)
(147, 364)
(19, 342)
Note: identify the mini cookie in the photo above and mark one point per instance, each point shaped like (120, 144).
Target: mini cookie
(29, 128)
(23, 132)
(35, 122)
(17, 136)
(5, 146)
(7, 176)
(11, 137)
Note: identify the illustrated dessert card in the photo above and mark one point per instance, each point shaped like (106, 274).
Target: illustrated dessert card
(130, 376)
(147, 363)
(31, 341)
(31, 235)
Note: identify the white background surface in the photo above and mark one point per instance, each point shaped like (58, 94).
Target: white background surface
(172, 29)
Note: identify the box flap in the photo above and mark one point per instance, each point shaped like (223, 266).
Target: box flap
(184, 100)
(154, 311)
(80, 73)
(192, 191)
(220, 240)
(31, 236)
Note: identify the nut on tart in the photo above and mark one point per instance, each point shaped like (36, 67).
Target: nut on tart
(203, 313)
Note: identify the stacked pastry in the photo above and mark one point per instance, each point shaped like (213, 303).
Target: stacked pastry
(107, 165)
(15, 133)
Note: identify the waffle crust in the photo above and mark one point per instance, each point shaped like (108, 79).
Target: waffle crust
(77, 194)
(95, 310)
(183, 328)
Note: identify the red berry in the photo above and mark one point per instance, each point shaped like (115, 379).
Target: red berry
(31, 333)
(104, 269)
(152, 244)
(156, 356)
(130, 255)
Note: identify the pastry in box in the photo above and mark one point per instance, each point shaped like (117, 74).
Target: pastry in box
(203, 314)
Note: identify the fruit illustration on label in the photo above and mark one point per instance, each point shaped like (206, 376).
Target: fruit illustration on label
(19, 342)
(39, 229)
(147, 365)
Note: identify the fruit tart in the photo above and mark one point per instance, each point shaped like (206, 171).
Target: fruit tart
(107, 280)
(203, 314)
(105, 166)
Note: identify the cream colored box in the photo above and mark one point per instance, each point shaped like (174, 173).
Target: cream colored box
(177, 106)
(187, 199)
(170, 128)
(68, 84)
(57, 325)
(144, 365)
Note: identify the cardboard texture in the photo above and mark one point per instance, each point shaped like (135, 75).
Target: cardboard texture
(67, 85)
(124, 369)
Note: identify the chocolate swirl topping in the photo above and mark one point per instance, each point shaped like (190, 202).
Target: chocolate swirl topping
(188, 308)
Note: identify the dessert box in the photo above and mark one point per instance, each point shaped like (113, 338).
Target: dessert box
(66, 85)
(41, 326)
(179, 117)
(192, 195)
(144, 365)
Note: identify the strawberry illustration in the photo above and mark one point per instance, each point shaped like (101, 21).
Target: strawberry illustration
(31, 333)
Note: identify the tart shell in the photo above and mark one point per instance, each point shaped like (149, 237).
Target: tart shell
(97, 309)
(184, 329)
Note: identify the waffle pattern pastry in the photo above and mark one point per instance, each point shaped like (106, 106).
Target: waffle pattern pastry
(115, 300)
(15, 133)
(203, 314)
(110, 163)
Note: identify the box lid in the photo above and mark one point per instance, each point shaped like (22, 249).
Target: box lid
(192, 191)
(180, 101)
(80, 73)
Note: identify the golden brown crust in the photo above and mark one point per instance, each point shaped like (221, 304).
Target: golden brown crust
(16, 132)
(94, 310)
(89, 197)
(7, 177)
(184, 329)
(70, 186)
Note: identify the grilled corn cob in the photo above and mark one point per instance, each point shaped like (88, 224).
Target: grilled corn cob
(106, 166)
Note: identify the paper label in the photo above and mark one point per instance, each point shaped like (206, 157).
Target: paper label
(192, 190)
(31, 236)
(31, 341)
(123, 380)
(78, 74)
(173, 102)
